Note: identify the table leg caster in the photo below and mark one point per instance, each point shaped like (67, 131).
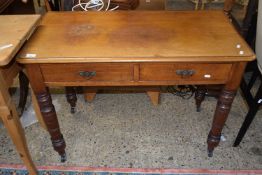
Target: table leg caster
(210, 153)
(63, 158)
(73, 110)
(198, 109)
(212, 142)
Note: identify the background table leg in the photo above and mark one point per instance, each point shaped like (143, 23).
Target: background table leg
(15, 130)
(200, 96)
(12, 123)
(154, 97)
(90, 93)
(71, 98)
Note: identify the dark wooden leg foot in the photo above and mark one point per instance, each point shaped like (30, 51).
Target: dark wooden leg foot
(71, 98)
(210, 153)
(63, 158)
(48, 112)
(24, 82)
(199, 97)
(213, 142)
(222, 110)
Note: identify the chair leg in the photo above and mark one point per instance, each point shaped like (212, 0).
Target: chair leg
(248, 120)
(48, 7)
(67, 5)
(249, 117)
(24, 83)
(202, 5)
(196, 5)
(228, 4)
(252, 79)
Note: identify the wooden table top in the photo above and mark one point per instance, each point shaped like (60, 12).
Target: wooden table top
(14, 31)
(136, 36)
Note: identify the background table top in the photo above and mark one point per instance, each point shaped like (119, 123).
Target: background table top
(135, 36)
(14, 31)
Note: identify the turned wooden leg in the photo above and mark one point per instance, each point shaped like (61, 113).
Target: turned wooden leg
(90, 94)
(24, 82)
(49, 114)
(154, 97)
(222, 110)
(71, 98)
(199, 97)
(47, 108)
(37, 111)
(223, 107)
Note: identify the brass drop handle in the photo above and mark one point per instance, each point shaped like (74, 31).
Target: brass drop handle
(87, 74)
(185, 73)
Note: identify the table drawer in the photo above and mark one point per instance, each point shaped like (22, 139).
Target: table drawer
(87, 72)
(184, 71)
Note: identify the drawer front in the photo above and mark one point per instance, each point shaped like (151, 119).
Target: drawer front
(184, 72)
(92, 72)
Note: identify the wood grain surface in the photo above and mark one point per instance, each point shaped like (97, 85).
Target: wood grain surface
(135, 36)
(14, 31)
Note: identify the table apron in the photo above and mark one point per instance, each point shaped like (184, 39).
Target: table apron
(134, 74)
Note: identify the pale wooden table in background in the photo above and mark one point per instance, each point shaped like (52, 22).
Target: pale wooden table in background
(14, 31)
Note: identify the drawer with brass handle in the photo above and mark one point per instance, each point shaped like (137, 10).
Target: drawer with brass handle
(93, 72)
(184, 72)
